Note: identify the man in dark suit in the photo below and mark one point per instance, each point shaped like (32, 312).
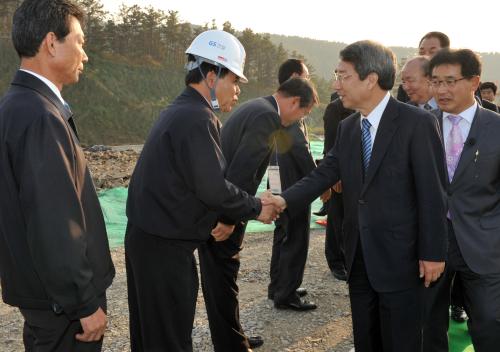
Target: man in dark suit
(55, 263)
(334, 248)
(394, 225)
(291, 235)
(247, 139)
(472, 147)
(428, 46)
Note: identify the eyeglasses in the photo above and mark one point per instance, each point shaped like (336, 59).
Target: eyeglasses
(447, 83)
(340, 77)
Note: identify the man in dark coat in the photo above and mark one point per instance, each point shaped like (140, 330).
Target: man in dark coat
(248, 137)
(55, 263)
(388, 158)
(291, 235)
(472, 149)
(178, 193)
(334, 248)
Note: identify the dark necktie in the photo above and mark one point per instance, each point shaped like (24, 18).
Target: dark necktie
(427, 107)
(71, 122)
(366, 143)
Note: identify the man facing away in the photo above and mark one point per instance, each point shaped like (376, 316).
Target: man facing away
(388, 158)
(55, 263)
(248, 138)
(291, 235)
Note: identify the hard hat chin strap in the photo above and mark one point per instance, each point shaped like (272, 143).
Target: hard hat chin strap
(213, 97)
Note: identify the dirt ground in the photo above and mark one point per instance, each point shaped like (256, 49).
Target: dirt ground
(327, 328)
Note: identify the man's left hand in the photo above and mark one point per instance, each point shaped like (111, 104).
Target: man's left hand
(430, 271)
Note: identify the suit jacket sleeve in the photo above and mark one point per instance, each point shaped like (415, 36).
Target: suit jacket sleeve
(427, 159)
(316, 183)
(208, 176)
(252, 152)
(55, 223)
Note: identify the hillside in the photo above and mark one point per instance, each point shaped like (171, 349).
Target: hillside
(323, 55)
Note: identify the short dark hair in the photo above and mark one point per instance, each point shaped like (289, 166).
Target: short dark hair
(302, 88)
(194, 76)
(489, 85)
(33, 19)
(371, 57)
(288, 68)
(444, 41)
(470, 64)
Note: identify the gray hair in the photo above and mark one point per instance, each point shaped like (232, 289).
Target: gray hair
(371, 57)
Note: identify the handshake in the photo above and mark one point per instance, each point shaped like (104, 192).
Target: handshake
(272, 206)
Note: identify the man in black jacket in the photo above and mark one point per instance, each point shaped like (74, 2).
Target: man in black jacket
(55, 263)
(291, 235)
(334, 248)
(178, 193)
(248, 138)
(388, 158)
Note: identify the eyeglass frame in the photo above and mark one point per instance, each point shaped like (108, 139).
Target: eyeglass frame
(447, 83)
(340, 77)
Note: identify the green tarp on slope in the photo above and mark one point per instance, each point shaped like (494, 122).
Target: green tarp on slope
(113, 204)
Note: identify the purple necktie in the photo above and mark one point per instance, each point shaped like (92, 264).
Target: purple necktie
(454, 145)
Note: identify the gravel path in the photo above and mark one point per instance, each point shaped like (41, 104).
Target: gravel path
(326, 329)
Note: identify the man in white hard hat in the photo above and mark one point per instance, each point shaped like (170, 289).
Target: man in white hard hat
(178, 197)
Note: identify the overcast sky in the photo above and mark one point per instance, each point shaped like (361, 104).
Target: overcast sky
(391, 22)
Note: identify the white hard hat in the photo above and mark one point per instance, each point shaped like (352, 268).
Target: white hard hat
(221, 49)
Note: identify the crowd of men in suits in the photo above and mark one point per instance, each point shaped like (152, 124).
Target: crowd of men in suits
(414, 188)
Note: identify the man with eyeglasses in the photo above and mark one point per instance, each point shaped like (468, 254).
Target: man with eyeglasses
(472, 146)
(390, 159)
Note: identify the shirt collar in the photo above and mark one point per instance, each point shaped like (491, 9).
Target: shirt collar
(432, 102)
(49, 84)
(467, 114)
(278, 105)
(376, 114)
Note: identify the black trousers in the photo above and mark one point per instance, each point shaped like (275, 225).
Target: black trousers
(219, 266)
(383, 321)
(162, 290)
(481, 295)
(45, 331)
(334, 249)
(289, 255)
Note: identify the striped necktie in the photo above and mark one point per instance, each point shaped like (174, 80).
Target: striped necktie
(454, 145)
(366, 143)
(427, 107)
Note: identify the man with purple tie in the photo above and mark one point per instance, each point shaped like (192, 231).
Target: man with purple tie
(472, 148)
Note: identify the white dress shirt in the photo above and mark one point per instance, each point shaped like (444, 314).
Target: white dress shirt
(467, 117)
(374, 117)
(51, 85)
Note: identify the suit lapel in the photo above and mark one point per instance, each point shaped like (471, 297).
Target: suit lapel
(383, 138)
(355, 148)
(27, 80)
(477, 128)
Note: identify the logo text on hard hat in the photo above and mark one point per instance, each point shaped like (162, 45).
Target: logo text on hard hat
(217, 45)
(222, 58)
